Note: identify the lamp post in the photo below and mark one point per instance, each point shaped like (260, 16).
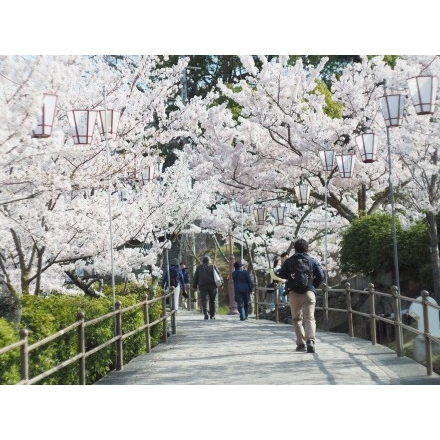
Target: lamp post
(242, 208)
(104, 125)
(158, 170)
(83, 124)
(328, 160)
(392, 111)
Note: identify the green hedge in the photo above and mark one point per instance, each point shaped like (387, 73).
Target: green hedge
(43, 316)
(10, 361)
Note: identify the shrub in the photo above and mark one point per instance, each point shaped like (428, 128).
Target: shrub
(10, 361)
(44, 316)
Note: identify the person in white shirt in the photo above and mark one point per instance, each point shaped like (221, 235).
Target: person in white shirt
(279, 282)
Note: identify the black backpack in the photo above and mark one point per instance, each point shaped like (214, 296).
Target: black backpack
(300, 274)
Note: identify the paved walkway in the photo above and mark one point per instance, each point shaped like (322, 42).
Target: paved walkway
(211, 352)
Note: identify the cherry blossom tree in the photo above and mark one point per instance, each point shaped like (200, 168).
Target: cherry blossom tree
(57, 196)
(283, 125)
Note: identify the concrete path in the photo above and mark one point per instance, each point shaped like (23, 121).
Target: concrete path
(212, 352)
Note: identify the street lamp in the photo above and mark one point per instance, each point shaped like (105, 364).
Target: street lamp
(367, 144)
(83, 124)
(279, 212)
(345, 164)
(328, 163)
(392, 110)
(302, 192)
(423, 91)
(242, 208)
(260, 214)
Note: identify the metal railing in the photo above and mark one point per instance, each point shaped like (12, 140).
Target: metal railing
(394, 320)
(81, 326)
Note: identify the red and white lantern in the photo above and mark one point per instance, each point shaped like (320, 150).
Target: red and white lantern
(392, 109)
(83, 124)
(327, 159)
(108, 122)
(302, 192)
(423, 91)
(367, 144)
(345, 164)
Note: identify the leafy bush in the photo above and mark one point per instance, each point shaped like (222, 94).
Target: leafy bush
(43, 316)
(367, 247)
(10, 361)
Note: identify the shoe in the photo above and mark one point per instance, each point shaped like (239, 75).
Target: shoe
(212, 317)
(206, 317)
(241, 319)
(301, 347)
(310, 346)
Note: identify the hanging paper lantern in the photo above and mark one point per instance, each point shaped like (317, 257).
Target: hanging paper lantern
(392, 109)
(367, 144)
(423, 91)
(83, 124)
(302, 192)
(260, 215)
(345, 164)
(327, 159)
(108, 121)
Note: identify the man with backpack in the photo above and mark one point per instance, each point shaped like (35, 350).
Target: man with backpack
(303, 274)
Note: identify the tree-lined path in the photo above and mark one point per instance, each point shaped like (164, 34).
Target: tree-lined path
(226, 351)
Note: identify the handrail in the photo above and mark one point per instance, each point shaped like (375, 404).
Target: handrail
(371, 315)
(81, 326)
(118, 338)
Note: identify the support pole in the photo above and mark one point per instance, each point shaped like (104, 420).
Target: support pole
(397, 311)
(109, 202)
(232, 304)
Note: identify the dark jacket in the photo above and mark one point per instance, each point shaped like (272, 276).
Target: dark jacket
(204, 277)
(179, 277)
(242, 281)
(185, 275)
(318, 272)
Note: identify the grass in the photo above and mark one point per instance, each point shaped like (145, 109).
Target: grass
(223, 310)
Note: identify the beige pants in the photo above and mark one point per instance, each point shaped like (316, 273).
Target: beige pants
(302, 307)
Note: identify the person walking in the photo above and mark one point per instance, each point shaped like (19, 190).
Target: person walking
(243, 288)
(177, 282)
(304, 274)
(277, 282)
(204, 280)
(185, 273)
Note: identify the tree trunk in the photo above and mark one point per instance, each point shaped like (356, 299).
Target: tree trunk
(433, 241)
(10, 306)
(362, 199)
(86, 288)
